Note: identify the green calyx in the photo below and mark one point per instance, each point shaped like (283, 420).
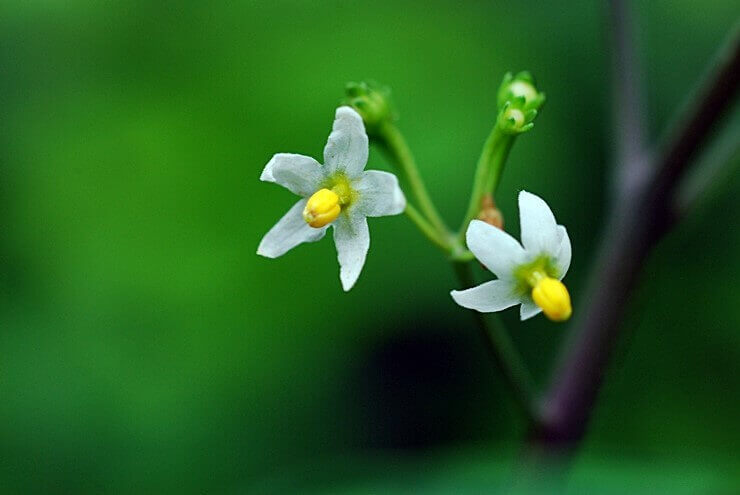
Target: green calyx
(372, 101)
(512, 119)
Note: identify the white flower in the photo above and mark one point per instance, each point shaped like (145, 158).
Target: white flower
(528, 274)
(340, 193)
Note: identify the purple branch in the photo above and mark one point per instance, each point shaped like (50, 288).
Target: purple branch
(641, 217)
(629, 121)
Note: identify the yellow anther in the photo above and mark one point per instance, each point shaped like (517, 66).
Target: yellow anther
(552, 296)
(322, 208)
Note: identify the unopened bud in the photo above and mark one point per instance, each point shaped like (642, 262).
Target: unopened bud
(521, 91)
(514, 120)
(372, 102)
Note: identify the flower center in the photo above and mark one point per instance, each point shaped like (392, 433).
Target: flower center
(343, 191)
(325, 205)
(539, 279)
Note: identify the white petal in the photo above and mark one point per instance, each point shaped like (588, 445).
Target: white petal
(487, 297)
(565, 253)
(300, 174)
(347, 147)
(539, 229)
(528, 310)
(379, 194)
(290, 231)
(497, 250)
(352, 239)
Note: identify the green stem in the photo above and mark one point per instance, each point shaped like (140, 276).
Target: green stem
(487, 173)
(463, 256)
(426, 228)
(501, 348)
(500, 155)
(396, 146)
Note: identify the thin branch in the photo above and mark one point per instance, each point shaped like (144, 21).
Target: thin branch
(715, 172)
(426, 228)
(491, 157)
(635, 227)
(716, 95)
(629, 120)
(393, 142)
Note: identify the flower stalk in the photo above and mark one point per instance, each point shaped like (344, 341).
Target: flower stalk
(426, 228)
(425, 217)
(391, 139)
(518, 104)
(487, 173)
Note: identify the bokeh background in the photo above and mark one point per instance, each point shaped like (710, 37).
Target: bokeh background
(146, 348)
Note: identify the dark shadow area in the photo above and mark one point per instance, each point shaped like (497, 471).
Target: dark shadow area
(428, 385)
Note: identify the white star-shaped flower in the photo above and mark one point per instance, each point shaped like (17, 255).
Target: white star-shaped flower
(530, 273)
(339, 193)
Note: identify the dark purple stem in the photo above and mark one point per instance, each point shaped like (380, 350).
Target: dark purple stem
(628, 101)
(642, 215)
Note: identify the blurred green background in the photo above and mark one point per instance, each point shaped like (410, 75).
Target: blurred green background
(146, 348)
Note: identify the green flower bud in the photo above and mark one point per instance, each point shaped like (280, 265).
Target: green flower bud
(521, 91)
(372, 102)
(512, 119)
(518, 102)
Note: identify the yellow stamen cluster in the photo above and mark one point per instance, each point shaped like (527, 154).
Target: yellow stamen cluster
(322, 208)
(551, 295)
